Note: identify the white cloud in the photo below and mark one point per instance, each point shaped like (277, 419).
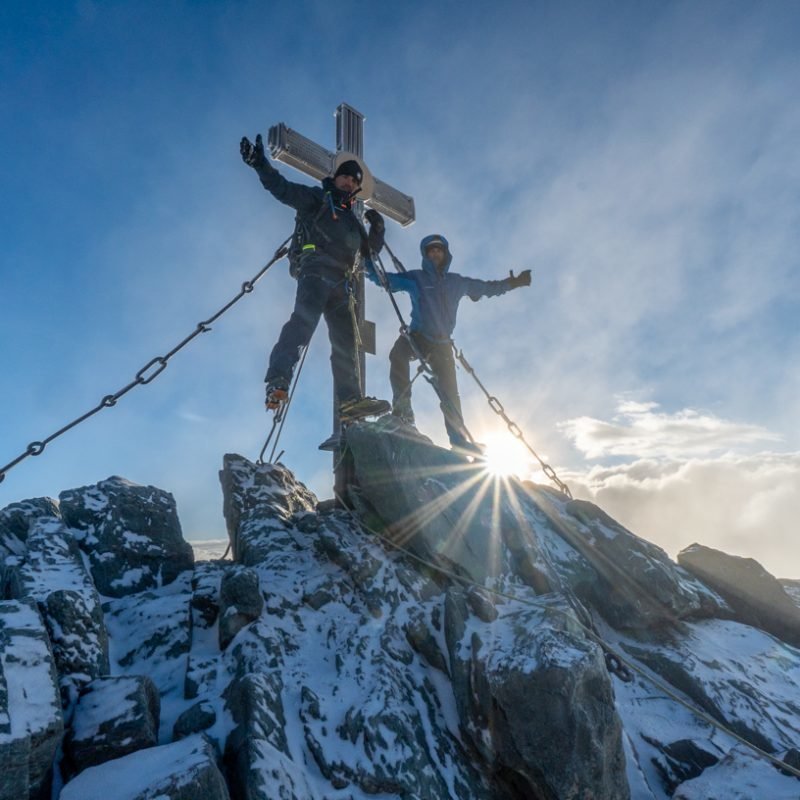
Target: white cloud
(639, 430)
(746, 505)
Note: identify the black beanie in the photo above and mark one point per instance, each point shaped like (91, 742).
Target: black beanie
(351, 168)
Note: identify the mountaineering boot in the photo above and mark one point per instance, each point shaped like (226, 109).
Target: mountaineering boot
(403, 411)
(331, 443)
(362, 407)
(467, 448)
(277, 395)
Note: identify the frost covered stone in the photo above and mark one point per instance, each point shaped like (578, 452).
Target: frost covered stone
(114, 717)
(240, 602)
(184, 770)
(31, 724)
(53, 574)
(15, 521)
(131, 533)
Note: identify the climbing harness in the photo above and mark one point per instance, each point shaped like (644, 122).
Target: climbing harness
(494, 403)
(615, 663)
(149, 371)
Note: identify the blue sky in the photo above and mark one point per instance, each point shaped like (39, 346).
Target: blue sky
(641, 158)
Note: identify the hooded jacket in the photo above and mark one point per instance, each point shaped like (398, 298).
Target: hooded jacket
(435, 296)
(333, 228)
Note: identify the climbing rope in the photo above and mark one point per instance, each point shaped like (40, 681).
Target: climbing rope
(615, 663)
(514, 429)
(149, 371)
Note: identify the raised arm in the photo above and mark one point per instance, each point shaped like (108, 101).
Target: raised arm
(397, 281)
(304, 199)
(474, 288)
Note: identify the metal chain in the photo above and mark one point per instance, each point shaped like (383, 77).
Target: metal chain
(515, 430)
(149, 371)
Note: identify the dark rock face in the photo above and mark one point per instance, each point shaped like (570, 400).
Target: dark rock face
(200, 717)
(131, 533)
(757, 597)
(547, 703)
(31, 725)
(114, 717)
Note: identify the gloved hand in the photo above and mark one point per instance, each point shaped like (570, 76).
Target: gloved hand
(375, 220)
(253, 154)
(523, 279)
(377, 228)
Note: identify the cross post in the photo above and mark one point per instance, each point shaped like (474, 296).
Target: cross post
(294, 149)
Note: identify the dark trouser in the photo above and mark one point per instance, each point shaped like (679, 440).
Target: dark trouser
(439, 356)
(320, 291)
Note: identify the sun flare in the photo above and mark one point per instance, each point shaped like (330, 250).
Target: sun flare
(505, 456)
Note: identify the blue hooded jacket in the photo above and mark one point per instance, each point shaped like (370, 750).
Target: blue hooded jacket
(435, 296)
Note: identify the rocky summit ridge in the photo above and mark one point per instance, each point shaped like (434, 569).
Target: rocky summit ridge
(450, 635)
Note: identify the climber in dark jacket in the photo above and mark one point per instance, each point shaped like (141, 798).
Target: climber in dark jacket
(333, 238)
(435, 294)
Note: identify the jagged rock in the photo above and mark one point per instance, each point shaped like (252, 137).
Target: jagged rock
(15, 520)
(757, 597)
(253, 498)
(633, 583)
(535, 699)
(184, 770)
(131, 533)
(203, 664)
(31, 724)
(683, 760)
(196, 719)
(151, 632)
(741, 775)
(53, 574)
(241, 602)
(725, 667)
(113, 717)
(446, 511)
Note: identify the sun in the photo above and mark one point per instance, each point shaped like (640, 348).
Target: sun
(506, 456)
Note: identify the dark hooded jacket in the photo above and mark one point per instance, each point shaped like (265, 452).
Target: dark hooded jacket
(435, 296)
(327, 213)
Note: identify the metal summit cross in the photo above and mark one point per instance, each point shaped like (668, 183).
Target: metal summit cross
(294, 149)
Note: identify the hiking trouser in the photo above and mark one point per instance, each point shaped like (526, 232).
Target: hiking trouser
(320, 292)
(439, 356)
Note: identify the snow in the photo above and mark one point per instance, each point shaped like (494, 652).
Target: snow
(151, 770)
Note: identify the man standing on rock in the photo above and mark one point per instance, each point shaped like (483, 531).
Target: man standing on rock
(435, 294)
(331, 237)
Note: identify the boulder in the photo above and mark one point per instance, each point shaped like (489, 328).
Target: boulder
(196, 719)
(113, 717)
(442, 507)
(15, 520)
(258, 497)
(757, 597)
(535, 700)
(184, 770)
(31, 723)
(53, 574)
(131, 534)
(241, 602)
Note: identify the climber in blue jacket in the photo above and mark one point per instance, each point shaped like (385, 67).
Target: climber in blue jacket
(435, 294)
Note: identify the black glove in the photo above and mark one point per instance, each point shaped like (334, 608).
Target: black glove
(377, 228)
(253, 154)
(375, 220)
(516, 281)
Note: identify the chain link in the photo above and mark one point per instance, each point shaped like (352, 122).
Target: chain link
(151, 370)
(515, 430)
